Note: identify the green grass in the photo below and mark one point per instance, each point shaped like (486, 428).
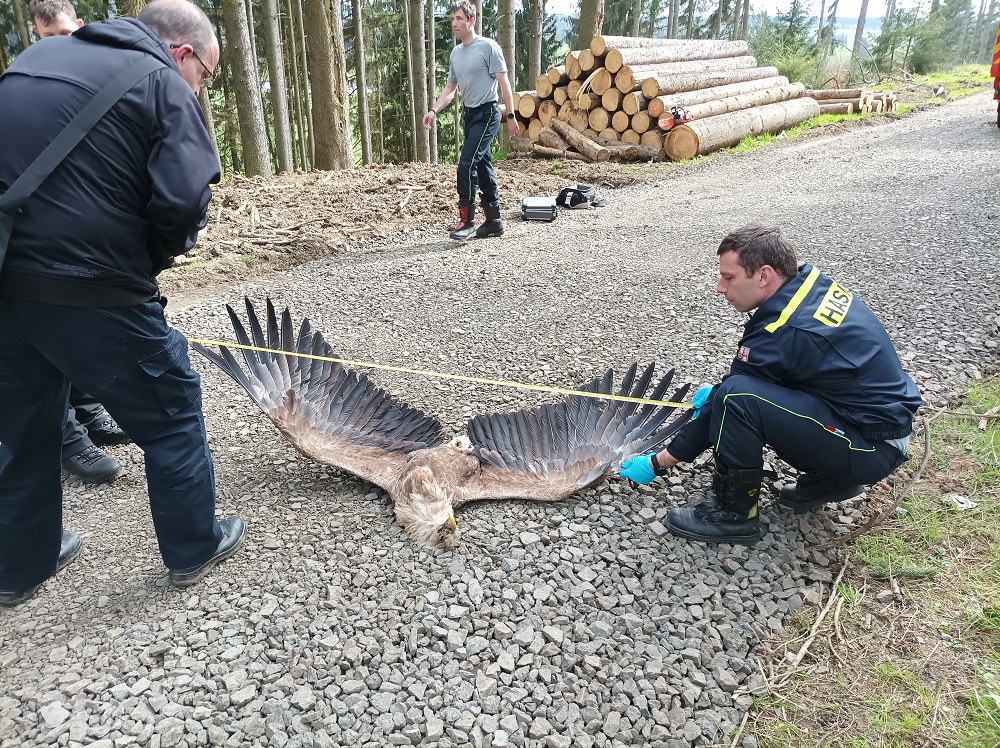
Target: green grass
(962, 81)
(923, 669)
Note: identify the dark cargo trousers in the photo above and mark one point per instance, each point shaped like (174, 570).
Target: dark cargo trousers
(745, 414)
(138, 368)
(475, 164)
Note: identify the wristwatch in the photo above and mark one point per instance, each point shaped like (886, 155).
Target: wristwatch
(655, 464)
(510, 115)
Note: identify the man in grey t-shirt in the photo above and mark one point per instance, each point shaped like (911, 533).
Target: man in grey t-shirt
(477, 68)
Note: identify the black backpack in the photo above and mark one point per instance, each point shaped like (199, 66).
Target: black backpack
(576, 196)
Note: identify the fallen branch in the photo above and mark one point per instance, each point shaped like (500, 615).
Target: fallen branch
(834, 596)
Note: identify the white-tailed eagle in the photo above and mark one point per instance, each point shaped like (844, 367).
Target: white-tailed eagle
(338, 417)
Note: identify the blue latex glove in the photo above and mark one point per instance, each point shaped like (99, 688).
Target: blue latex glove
(699, 399)
(638, 469)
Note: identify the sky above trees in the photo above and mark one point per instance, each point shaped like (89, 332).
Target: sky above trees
(845, 9)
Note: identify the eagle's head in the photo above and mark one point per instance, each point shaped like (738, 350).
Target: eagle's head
(426, 512)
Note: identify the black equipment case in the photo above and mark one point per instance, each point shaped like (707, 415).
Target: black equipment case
(539, 209)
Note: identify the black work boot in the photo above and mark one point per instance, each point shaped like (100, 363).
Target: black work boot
(813, 490)
(105, 431)
(729, 517)
(93, 465)
(466, 223)
(69, 548)
(493, 226)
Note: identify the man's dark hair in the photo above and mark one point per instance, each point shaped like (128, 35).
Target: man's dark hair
(47, 11)
(759, 244)
(179, 22)
(463, 6)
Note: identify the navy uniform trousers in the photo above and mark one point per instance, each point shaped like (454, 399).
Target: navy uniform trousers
(744, 414)
(138, 368)
(475, 164)
(80, 415)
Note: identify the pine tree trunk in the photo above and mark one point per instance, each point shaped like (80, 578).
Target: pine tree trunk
(298, 128)
(243, 69)
(306, 97)
(672, 50)
(745, 101)
(418, 58)
(279, 88)
(705, 136)
(636, 16)
(251, 27)
(860, 30)
(21, 22)
(630, 78)
(412, 100)
(535, 21)
(328, 79)
(431, 35)
(660, 104)
(505, 38)
(130, 8)
(206, 109)
(591, 21)
(675, 9)
(230, 129)
(671, 84)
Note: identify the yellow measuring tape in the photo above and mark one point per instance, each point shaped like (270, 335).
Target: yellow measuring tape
(440, 375)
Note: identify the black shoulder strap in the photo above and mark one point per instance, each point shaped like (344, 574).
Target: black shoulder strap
(74, 132)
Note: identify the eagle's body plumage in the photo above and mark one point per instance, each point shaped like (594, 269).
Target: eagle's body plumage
(338, 417)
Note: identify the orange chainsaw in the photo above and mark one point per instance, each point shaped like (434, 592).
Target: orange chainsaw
(677, 115)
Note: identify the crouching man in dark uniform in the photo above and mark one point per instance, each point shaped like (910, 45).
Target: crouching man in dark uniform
(78, 297)
(815, 378)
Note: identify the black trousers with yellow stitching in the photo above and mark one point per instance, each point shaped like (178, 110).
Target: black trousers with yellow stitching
(746, 414)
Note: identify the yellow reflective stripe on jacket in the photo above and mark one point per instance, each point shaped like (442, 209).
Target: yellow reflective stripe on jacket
(796, 300)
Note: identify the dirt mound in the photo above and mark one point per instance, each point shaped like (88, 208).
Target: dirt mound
(261, 226)
(258, 227)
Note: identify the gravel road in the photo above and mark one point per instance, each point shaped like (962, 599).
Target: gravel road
(580, 623)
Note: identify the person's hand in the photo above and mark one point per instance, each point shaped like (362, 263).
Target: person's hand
(639, 469)
(429, 120)
(699, 400)
(512, 126)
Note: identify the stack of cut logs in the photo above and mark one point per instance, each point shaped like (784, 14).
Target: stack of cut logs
(853, 100)
(616, 101)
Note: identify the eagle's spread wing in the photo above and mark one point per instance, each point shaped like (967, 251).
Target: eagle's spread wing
(552, 451)
(329, 413)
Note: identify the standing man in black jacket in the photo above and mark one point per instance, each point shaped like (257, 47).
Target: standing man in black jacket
(113, 214)
(815, 378)
(88, 425)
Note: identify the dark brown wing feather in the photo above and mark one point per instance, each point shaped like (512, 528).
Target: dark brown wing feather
(552, 451)
(329, 413)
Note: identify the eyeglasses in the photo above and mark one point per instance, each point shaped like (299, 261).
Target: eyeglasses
(209, 74)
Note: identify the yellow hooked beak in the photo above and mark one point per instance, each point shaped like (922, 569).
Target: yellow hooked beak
(452, 523)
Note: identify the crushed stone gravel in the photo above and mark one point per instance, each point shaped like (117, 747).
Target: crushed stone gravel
(580, 623)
